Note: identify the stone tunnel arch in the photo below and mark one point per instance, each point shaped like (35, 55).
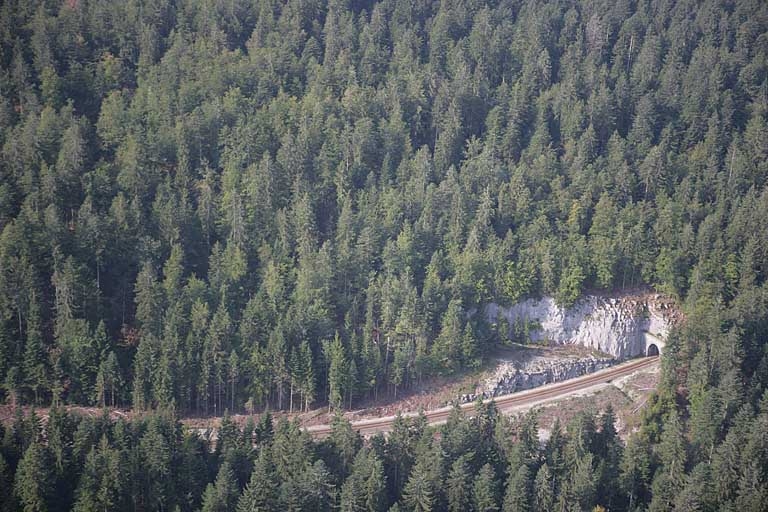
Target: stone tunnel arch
(654, 345)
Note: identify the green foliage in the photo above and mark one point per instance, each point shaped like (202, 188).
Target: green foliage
(485, 490)
(458, 485)
(517, 495)
(221, 495)
(260, 494)
(305, 171)
(100, 484)
(418, 494)
(364, 489)
(544, 489)
(284, 205)
(338, 373)
(34, 486)
(150, 463)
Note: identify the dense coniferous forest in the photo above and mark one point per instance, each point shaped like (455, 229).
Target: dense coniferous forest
(249, 204)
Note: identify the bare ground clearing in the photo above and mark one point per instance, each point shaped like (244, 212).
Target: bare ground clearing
(627, 395)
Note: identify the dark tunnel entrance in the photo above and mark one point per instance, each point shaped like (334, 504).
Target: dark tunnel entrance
(653, 350)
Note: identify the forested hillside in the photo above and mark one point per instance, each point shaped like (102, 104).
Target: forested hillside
(208, 204)
(242, 204)
(488, 463)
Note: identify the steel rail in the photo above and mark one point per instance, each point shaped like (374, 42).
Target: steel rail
(504, 402)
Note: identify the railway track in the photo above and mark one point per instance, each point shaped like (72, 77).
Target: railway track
(505, 403)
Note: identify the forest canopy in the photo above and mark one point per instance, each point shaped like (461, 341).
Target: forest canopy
(211, 205)
(241, 204)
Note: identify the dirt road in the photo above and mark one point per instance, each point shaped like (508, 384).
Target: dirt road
(507, 403)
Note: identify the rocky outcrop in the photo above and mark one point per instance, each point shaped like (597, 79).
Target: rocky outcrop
(619, 326)
(511, 377)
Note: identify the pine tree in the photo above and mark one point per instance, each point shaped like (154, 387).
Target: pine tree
(221, 496)
(634, 472)
(608, 451)
(261, 492)
(400, 452)
(458, 485)
(447, 348)
(277, 352)
(316, 488)
(517, 495)
(307, 383)
(35, 371)
(485, 490)
(344, 443)
(173, 271)
(228, 438)
(669, 479)
(544, 492)
(148, 300)
(156, 450)
(364, 489)
(233, 366)
(35, 481)
(144, 366)
(582, 485)
(457, 435)
(337, 373)
(697, 493)
(265, 429)
(418, 494)
(108, 380)
(100, 485)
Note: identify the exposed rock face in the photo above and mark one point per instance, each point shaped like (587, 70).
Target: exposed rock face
(619, 326)
(511, 377)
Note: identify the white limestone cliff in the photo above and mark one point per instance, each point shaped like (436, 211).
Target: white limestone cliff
(620, 326)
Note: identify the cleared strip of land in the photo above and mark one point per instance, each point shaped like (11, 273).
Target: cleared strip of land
(506, 403)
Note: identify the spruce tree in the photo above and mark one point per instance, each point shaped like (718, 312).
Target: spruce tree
(221, 496)
(458, 488)
(100, 485)
(543, 488)
(35, 358)
(261, 492)
(485, 490)
(35, 480)
(365, 489)
(517, 497)
(418, 494)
